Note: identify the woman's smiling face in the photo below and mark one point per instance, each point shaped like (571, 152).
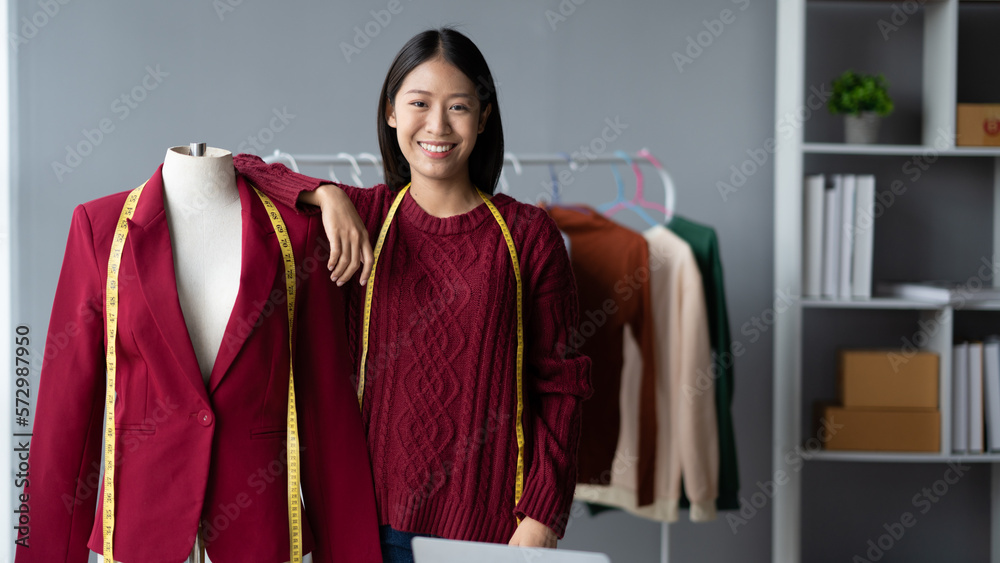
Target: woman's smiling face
(437, 118)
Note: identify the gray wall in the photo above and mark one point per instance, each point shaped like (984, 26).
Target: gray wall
(223, 77)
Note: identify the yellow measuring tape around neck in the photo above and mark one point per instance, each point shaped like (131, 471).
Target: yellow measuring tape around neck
(111, 306)
(369, 291)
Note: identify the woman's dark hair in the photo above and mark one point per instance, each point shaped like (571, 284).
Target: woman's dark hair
(486, 160)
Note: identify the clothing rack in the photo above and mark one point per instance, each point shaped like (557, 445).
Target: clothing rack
(516, 161)
(368, 159)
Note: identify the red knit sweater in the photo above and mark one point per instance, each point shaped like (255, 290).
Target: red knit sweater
(440, 392)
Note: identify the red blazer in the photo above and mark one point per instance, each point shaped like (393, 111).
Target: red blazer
(188, 454)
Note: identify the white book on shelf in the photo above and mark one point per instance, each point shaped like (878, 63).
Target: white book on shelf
(831, 236)
(960, 398)
(848, 189)
(991, 376)
(864, 237)
(976, 420)
(812, 246)
(939, 291)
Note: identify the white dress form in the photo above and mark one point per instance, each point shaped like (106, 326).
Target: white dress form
(206, 234)
(204, 219)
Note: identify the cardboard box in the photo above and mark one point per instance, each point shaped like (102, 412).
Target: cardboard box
(886, 430)
(978, 125)
(888, 379)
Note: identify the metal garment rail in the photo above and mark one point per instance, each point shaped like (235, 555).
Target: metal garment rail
(368, 159)
(516, 161)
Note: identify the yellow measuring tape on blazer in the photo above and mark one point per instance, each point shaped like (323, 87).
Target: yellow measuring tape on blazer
(111, 306)
(519, 426)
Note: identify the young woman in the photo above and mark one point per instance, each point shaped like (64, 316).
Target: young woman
(435, 330)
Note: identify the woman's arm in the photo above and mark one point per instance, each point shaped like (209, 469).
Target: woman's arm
(557, 381)
(277, 181)
(350, 247)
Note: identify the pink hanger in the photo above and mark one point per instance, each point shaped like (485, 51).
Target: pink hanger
(639, 200)
(668, 182)
(638, 182)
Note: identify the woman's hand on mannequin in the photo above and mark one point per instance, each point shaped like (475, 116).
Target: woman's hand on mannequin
(350, 248)
(532, 533)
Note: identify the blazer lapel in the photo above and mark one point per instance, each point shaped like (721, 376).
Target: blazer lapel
(150, 251)
(260, 262)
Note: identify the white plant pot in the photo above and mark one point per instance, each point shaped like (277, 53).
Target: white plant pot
(862, 129)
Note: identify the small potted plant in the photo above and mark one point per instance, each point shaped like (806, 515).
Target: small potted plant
(863, 100)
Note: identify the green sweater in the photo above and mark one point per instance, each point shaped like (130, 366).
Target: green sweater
(705, 245)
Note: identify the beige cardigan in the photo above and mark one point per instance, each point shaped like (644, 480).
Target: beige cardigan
(687, 432)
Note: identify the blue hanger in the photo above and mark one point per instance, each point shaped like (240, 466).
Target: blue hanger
(620, 198)
(555, 181)
(555, 184)
(620, 202)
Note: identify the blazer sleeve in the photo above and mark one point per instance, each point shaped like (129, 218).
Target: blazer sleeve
(557, 379)
(65, 449)
(336, 475)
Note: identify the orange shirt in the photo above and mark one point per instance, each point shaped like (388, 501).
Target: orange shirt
(611, 265)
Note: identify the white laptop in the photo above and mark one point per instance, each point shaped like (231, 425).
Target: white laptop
(434, 550)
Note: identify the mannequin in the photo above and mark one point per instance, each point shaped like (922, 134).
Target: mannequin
(203, 216)
(200, 402)
(203, 211)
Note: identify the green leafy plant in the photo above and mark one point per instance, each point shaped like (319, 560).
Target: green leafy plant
(854, 93)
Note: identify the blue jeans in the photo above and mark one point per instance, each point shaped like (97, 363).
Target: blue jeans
(396, 545)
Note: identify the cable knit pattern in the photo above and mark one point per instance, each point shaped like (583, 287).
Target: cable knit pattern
(440, 392)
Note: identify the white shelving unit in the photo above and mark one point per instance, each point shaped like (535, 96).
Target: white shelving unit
(896, 150)
(894, 457)
(939, 97)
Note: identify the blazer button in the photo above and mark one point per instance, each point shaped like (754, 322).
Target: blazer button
(205, 418)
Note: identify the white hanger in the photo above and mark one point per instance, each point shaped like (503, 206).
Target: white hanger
(513, 160)
(573, 164)
(356, 173)
(288, 157)
(376, 163)
(504, 185)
